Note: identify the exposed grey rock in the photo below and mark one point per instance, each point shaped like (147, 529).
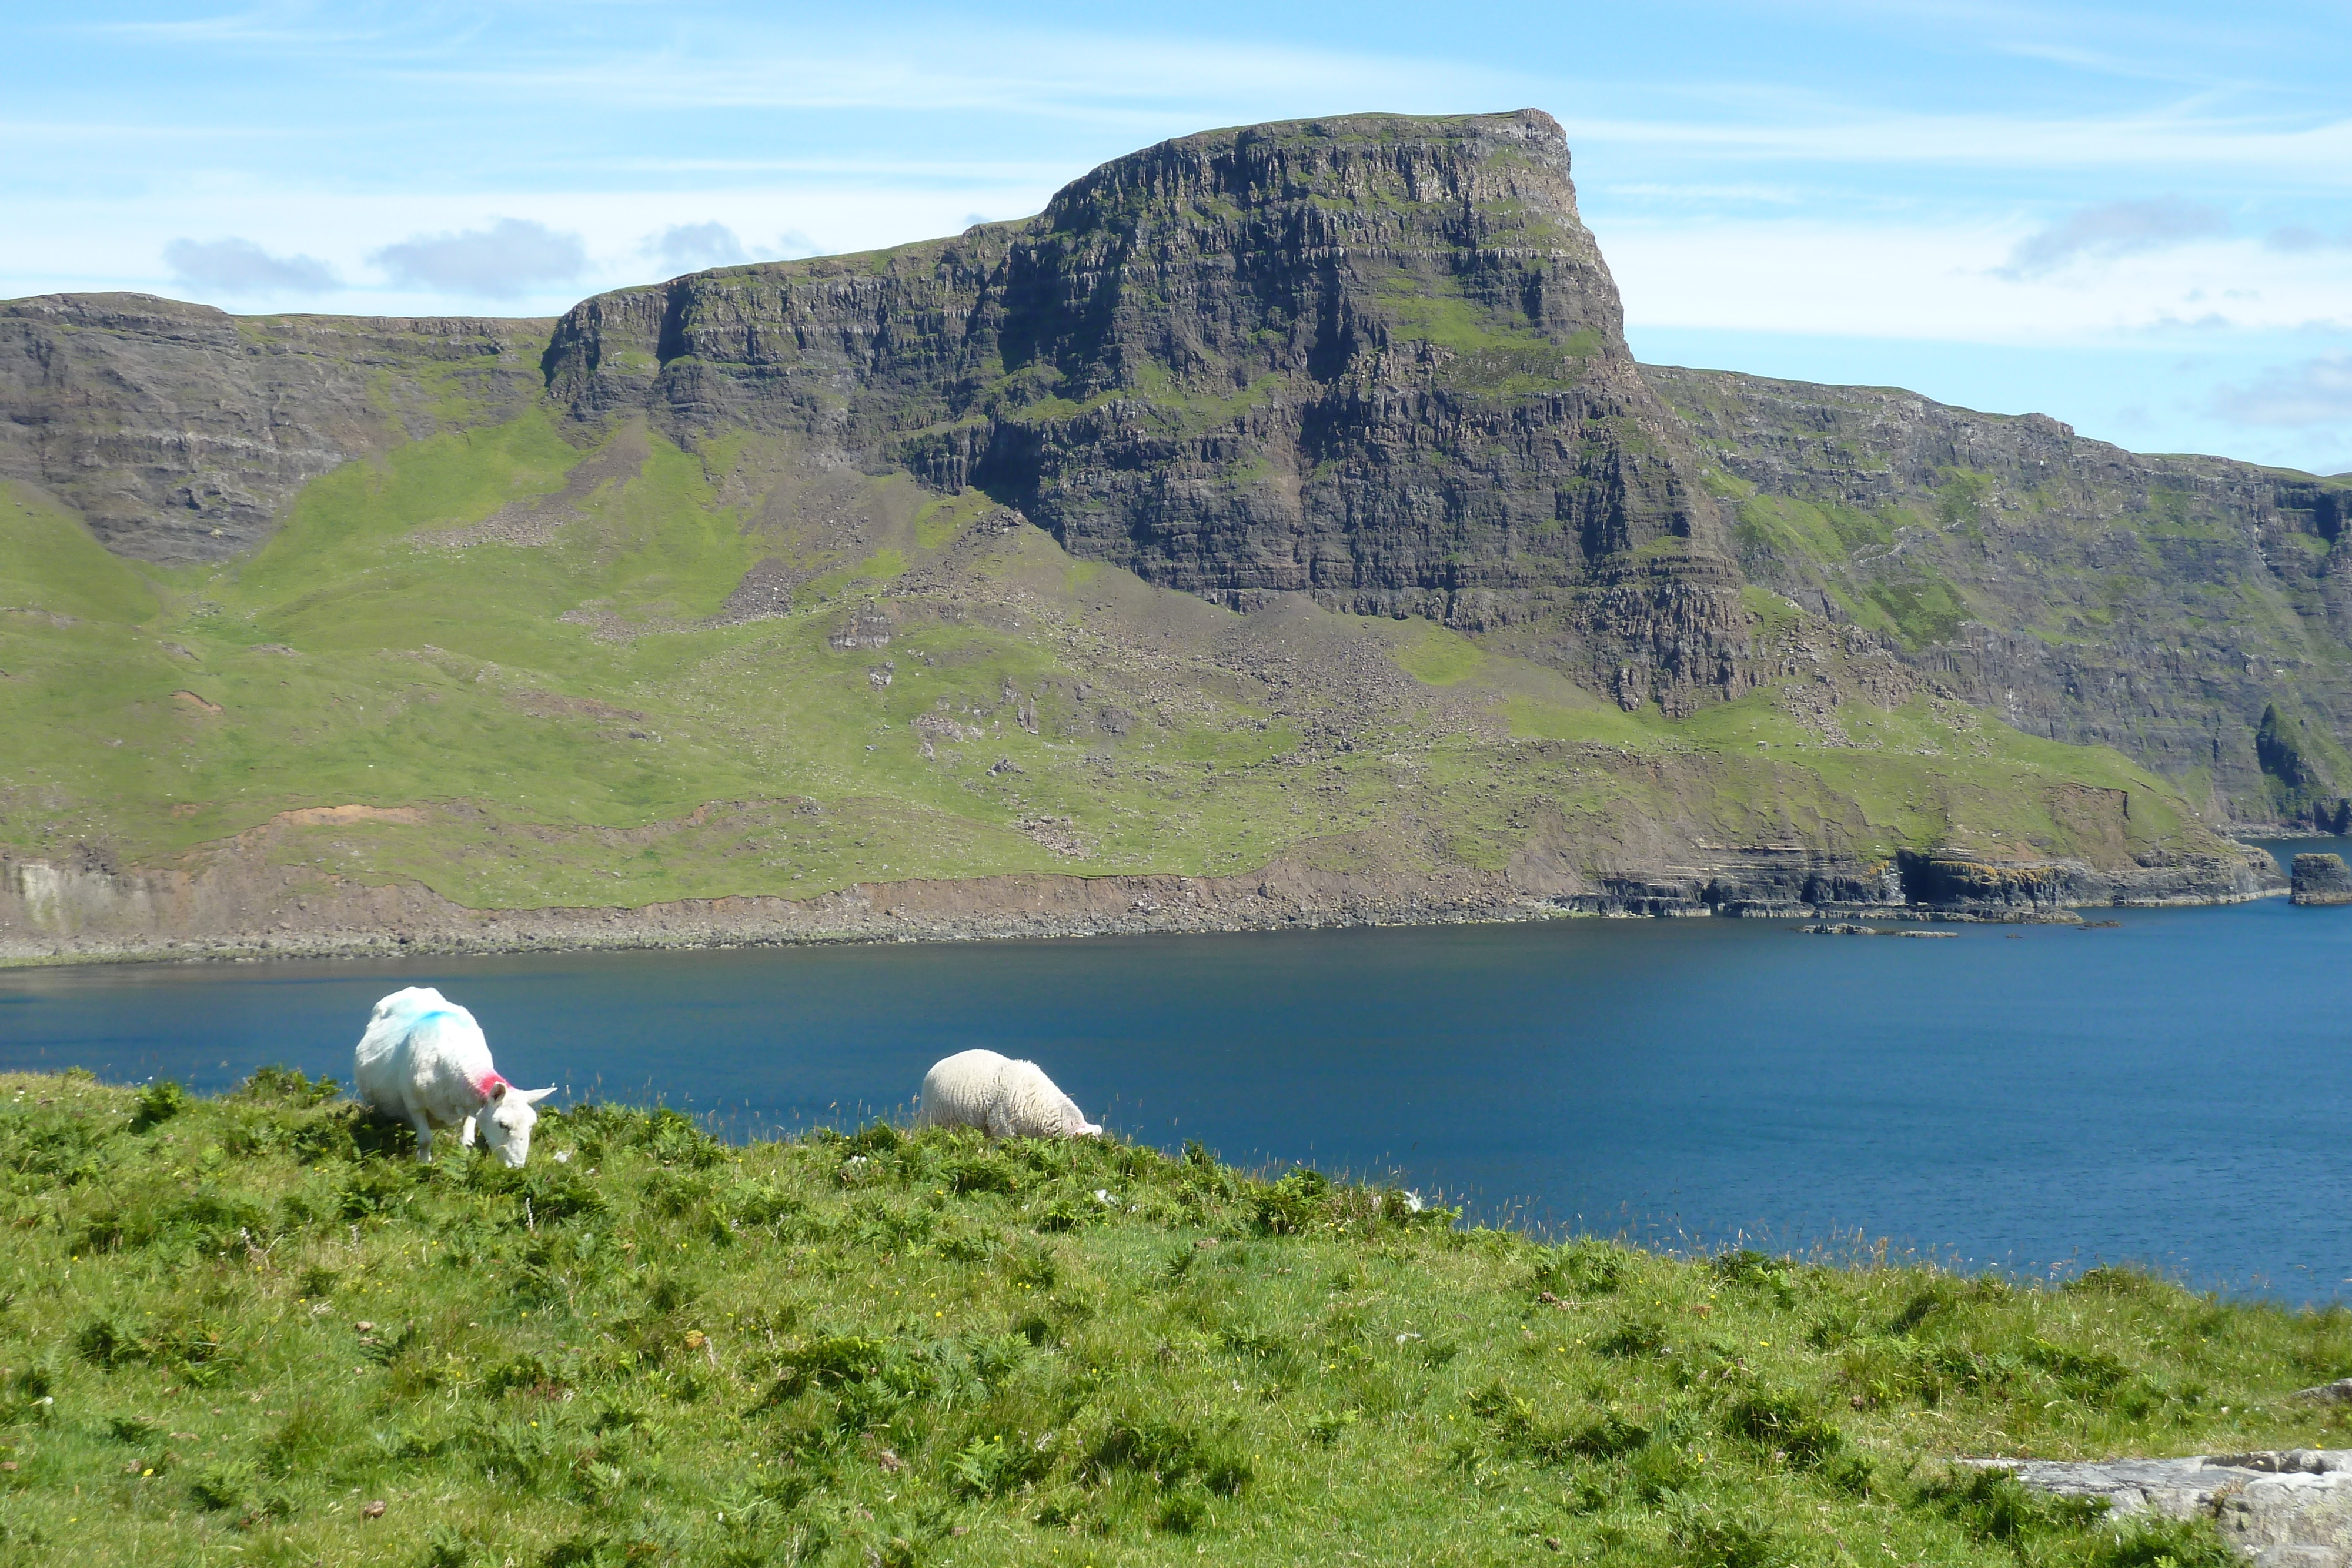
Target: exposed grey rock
(2283, 1508)
(2322, 879)
(2336, 1393)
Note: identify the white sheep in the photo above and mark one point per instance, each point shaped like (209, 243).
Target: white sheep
(423, 1061)
(1005, 1098)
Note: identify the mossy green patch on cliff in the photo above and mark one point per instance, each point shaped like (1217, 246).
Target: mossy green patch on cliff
(1920, 609)
(1432, 310)
(1823, 530)
(1853, 555)
(1772, 610)
(877, 1345)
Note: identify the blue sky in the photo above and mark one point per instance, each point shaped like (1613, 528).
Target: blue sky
(2138, 220)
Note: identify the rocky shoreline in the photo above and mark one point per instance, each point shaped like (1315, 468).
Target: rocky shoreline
(85, 911)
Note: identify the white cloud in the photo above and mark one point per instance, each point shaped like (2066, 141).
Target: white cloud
(2302, 236)
(81, 241)
(2250, 148)
(501, 262)
(1947, 282)
(2112, 229)
(690, 247)
(240, 266)
(2317, 391)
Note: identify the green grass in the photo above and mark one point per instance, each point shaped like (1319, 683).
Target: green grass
(49, 561)
(1437, 657)
(1850, 550)
(234, 1326)
(1818, 530)
(566, 723)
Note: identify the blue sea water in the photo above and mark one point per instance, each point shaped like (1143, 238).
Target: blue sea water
(2174, 1091)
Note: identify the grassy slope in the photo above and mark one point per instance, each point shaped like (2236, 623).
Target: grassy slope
(564, 713)
(231, 1326)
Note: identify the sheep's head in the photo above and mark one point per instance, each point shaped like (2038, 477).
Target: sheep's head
(505, 1121)
(1074, 1122)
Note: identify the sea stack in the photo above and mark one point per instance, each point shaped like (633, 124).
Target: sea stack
(2322, 879)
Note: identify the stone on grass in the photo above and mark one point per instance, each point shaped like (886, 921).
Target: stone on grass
(2282, 1508)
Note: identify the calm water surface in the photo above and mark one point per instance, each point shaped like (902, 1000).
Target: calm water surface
(2172, 1091)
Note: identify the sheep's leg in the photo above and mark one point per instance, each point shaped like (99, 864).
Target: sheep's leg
(424, 1136)
(467, 1136)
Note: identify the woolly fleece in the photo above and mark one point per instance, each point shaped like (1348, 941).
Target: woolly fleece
(424, 1060)
(1006, 1098)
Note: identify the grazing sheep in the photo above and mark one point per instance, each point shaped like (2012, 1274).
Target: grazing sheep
(1005, 1098)
(423, 1061)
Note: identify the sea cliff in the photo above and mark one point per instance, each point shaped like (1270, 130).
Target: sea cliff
(1274, 530)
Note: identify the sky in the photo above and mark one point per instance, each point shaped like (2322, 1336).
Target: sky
(2137, 220)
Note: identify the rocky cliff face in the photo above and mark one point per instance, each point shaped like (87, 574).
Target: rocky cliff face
(2190, 612)
(180, 432)
(2322, 879)
(1375, 360)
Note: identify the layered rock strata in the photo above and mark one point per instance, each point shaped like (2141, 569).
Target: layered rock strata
(2322, 879)
(1377, 360)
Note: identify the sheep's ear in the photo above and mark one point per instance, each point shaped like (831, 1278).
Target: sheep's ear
(497, 1092)
(533, 1096)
